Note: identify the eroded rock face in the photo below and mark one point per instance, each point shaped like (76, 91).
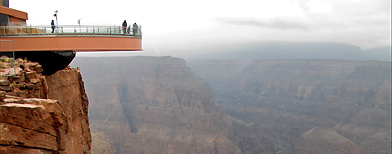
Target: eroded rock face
(100, 143)
(155, 105)
(328, 141)
(303, 105)
(43, 114)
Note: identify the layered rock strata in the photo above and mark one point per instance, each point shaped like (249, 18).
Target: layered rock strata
(42, 114)
(154, 105)
(307, 106)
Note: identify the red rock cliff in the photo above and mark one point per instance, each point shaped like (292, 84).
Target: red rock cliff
(43, 114)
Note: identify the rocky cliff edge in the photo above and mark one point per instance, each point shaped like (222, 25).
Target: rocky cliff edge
(42, 114)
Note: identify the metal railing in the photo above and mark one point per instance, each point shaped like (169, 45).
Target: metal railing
(24, 30)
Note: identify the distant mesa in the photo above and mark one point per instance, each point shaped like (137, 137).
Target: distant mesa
(297, 50)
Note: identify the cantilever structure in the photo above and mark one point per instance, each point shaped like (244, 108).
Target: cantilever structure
(54, 51)
(69, 38)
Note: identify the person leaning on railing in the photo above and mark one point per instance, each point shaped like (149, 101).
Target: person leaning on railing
(129, 29)
(135, 29)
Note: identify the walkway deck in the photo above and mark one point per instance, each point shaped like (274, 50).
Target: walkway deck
(70, 38)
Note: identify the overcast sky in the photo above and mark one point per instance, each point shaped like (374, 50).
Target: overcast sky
(199, 25)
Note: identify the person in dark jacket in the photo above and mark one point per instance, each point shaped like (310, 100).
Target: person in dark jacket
(124, 26)
(53, 26)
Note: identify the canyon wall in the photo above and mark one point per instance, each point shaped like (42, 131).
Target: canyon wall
(43, 114)
(154, 105)
(307, 106)
(157, 105)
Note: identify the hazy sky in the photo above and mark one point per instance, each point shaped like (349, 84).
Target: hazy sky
(199, 25)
